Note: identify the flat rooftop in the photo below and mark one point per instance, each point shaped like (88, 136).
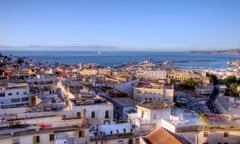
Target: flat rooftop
(156, 104)
(124, 101)
(191, 121)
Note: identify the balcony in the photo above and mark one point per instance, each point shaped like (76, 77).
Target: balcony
(113, 136)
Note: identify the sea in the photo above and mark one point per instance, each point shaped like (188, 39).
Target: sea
(112, 58)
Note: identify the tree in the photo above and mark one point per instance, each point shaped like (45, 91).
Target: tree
(189, 84)
(231, 79)
(232, 90)
(213, 79)
(232, 83)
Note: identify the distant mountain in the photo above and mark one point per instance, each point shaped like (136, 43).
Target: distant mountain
(60, 48)
(229, 52)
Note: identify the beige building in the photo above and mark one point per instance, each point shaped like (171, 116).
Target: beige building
(183, 75)
(150, 92)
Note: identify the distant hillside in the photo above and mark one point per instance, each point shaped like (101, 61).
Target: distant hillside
(61, 48)
(229, 52)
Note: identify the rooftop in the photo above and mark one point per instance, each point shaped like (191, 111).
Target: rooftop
(191, 121)
(163, 136)
(125, 101)
(78, 102)
(31, 130)
(156, 104)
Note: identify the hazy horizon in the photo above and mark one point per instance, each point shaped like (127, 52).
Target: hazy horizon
(99, 48)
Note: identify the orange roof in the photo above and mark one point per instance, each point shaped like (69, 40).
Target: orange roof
(162, 136)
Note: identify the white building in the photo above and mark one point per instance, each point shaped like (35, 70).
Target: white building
(158, 74)
(121, 133)
(14, 95)
(98, 112)
(48, 129)
(203, 129)
(149, 114)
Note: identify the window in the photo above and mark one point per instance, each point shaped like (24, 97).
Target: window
(81, 133)
(15, 100)
(226, 134)
(142, 114)
(2, 94)
(17, 93)
(93, 114)
(51, 137)
(130, 141)
(15, 141)
(36, 139)
(9, 94)
(78, 114)
(154, 116)
(25, 99)
(25, 92)
(106, 114)
(205, 134)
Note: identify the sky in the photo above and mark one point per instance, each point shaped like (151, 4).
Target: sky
(162, 25)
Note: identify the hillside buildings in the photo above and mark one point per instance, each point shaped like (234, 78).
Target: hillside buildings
(137, 103)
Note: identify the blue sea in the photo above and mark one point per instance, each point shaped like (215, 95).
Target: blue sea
(110, 58)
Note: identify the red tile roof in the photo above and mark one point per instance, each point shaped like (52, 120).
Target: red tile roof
(162, 136)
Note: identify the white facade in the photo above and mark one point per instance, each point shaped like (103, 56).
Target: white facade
(94, 111)
(148, 118)
(49, 137)
(160, 74)
(192, 127)
(14, 94)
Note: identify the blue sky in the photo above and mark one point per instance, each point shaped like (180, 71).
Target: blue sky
(163, 25)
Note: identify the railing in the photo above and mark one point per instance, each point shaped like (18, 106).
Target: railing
(113, 136)
(207, 127)
(29, 130)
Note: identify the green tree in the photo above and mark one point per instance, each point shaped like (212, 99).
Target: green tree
(233, 89)
(213, 79)
(189, 84)
(230, 79)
